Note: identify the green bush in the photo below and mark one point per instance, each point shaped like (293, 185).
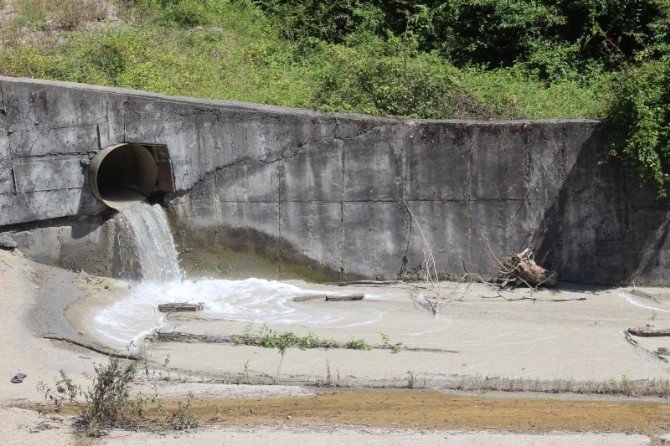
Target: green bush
(516, 93)
(105, 404)
(392, 78)
(488, 32)
(331, 21)
(183, 13)
(186, 13)
(640, 122)
(420, 58)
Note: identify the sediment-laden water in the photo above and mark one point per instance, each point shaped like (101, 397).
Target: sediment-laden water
(156, 250)
(252, 300)
(256, 301)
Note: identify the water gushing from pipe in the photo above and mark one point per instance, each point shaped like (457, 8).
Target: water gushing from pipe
(156, 250)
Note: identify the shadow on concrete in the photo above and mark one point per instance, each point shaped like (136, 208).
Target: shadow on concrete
(603, 226)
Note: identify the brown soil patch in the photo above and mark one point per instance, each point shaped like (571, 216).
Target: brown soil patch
(424, 410)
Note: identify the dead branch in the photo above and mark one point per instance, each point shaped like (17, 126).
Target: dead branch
(370, 282)
(329, 297)
(178, 307)
(430, 301)
(521, 270)
(350, 297)
(648, 332)
(93, 348)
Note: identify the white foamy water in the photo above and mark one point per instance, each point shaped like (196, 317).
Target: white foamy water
(155, 246)
(255, 301)
(259, 301)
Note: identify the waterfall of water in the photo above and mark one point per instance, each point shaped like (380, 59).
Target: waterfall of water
(155, 246)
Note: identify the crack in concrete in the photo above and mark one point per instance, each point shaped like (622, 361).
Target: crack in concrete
(365, 132)
(470, 235)
(342, 231)
(4, 110)
(50, 128)
(53, 155)
(123, 120)
(407, 186)
(279, 251)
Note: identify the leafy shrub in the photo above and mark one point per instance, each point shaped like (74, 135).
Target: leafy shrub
(640, 122)
(488, 32)
(492, 33)
(392, 78)
(110, 59)
(107, 403)
(183, 13)
(186, 13)
(357, 344)
(331, 21)
(615, 31)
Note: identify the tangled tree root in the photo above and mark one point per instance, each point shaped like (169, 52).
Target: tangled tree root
(521, 270)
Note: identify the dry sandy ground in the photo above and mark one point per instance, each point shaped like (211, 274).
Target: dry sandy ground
(308, 436)
(33, 298)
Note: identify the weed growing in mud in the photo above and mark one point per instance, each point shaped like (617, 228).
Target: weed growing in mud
(329, 381)
(358, 344)
(268, 338)
(623, 386)
(411, 380)
(243, 376)
(328, 375)
(107, 402)
(180, 419)
(386, 343)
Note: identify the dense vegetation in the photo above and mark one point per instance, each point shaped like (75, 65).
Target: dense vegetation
(417, 58)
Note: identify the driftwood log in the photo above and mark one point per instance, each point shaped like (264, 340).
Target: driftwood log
(521, 270)
(345, 298)
(179, 307)
(329, 297)
(648, 332)
(370, 282)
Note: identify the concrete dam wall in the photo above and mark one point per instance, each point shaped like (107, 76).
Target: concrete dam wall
(342, 195)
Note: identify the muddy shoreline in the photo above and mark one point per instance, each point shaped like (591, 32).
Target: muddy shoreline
(36, 297)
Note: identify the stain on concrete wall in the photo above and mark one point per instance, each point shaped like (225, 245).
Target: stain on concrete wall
(336, 190)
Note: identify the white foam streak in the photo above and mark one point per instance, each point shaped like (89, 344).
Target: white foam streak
(256, 301)
(631, 299)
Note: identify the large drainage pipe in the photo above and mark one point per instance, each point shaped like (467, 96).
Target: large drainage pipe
(123, 174)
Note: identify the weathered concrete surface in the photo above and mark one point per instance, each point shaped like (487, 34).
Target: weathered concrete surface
(94, 244)
(335, 191)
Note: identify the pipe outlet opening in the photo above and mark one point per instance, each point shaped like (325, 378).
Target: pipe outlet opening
(123, 174)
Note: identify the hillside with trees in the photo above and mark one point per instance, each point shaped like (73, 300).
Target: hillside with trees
(481, 59)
